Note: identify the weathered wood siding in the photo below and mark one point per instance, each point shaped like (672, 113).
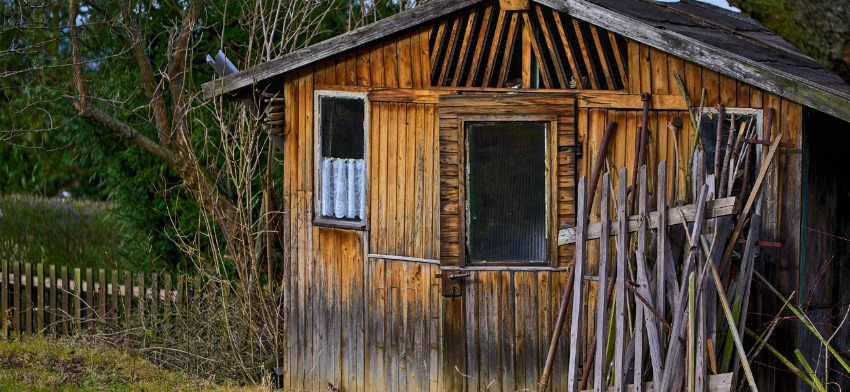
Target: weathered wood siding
(379, 323)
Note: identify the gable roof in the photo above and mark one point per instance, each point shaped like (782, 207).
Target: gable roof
(705, 35)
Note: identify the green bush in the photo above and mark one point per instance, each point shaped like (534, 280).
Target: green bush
(65, 232)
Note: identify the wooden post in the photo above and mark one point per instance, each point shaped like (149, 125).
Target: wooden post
(128, 299)
(114, 295)
(66, 309)
(52, 311)
(575, 325)
(154, 299)
(620, 301)
(26, 296)
(4, 297)
(78, 295)
(89, 298)
(140, 281)
(661, 244)
(599, 384)
(15, 281)
(167, 304)
(101, 295)
(39, 298)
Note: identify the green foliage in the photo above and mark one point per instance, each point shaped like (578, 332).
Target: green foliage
(72, 233)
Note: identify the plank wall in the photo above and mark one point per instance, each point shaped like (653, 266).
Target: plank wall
(652, 70)
(379, 323)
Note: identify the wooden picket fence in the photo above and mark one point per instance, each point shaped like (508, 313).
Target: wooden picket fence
(664, 317)
(45, 299)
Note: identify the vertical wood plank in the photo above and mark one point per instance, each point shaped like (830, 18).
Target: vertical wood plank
(88, 301)
(16, 298)
(101, 293)
(114, 296)
(66, 309)
(28, 303)
(620, 299)
(39, 297)
(78, 295)
(575, 324)
(405, 67)
(128, 298)
(660, 78)
(507, 309)
(142, 297)
(634, 67)
(376, 62)
(53, 312)
(154, 311)
(167, 302)
(661, 244)
(601, 291)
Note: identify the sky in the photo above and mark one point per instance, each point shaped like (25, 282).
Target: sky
(719, 3)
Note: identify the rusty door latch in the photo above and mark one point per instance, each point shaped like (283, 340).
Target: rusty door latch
(452, 284)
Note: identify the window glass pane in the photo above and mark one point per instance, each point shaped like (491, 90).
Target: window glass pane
(507, 191)
(342, 127)
(342, 164)
(708, 133)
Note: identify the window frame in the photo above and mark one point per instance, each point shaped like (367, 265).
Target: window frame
(318, 220)
(550, 159)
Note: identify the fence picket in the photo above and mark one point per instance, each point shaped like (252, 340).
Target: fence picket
(16, 297)
(51, 313)
(39, 297)
(575, 325)
(142, 301)
(101, 295)
(66, 310)
(128, 298)
(620, 292)
(26, 292)
(113, 296)
(599, 384)
(154, 298)
(78, 296)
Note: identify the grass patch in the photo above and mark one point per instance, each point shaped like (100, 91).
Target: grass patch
(64, 232)
(45, 364)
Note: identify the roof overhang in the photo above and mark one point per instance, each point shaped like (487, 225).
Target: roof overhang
(826, 98)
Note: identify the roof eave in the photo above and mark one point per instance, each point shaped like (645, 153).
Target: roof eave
(819, 97)
(240, 84)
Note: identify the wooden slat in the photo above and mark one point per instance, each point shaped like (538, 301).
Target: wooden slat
(568, 49)
(101, 295)
(497, 39)
(650, 323)
(53, 312)
(39, 297)
(89, 304)
(479, 46)
(599, 384)
(585, 55)
(631, 101)
(510, 44)
(114, 296)
(538, 52)
(620, 298)
(603, 60)
(661, 243)
(618, 59)
(634, 67)
(575, 323)
(142, 297)
(128, 299)
(462, 56)
(16, 298)
(77, 300)
(714, 208)
(405, 62)
(448, 57)
(26, 297)
(550, 44)
(66, 289)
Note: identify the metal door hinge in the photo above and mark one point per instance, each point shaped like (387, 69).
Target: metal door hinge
(577, 149)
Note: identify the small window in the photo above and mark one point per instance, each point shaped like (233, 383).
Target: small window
(506, 192)
(340, 196)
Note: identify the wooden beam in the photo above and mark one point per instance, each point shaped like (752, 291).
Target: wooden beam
(631, 101)
(713, 209)
(779, 82)
(514, 5)
(241, 83)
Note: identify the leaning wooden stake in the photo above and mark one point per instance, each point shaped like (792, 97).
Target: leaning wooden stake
(581, 229)
(565, 297)
(734, 332)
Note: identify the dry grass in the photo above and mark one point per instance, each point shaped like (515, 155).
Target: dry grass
(79, 364)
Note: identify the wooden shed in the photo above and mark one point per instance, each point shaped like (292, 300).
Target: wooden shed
(405, 147)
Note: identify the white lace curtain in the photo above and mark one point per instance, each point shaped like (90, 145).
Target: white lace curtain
(342, 188)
